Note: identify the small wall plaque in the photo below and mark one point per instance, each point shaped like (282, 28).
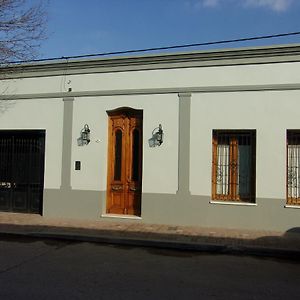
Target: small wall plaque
(77, 165)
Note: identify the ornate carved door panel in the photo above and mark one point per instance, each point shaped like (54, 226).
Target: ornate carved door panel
(124, 180)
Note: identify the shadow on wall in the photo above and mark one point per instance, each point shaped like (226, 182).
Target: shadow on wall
(8, 92)
(6, 105)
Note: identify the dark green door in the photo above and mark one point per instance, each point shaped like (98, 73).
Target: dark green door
(22, 154)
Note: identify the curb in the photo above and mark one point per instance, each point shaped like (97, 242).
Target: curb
(163, 244)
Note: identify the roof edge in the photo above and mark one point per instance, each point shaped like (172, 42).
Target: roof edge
(215, 57)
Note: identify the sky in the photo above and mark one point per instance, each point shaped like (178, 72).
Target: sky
(77, 27)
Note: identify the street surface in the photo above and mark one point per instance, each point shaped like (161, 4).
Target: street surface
(45, 269)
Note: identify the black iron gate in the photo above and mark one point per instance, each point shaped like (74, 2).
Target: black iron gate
(22, 155)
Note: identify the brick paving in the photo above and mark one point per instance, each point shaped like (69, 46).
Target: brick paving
(131, 232)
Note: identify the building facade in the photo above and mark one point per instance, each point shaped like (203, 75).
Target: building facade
(208, 138)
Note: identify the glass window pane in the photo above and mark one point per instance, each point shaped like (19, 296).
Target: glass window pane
(222, 170)
(118, 155)
(244, 162)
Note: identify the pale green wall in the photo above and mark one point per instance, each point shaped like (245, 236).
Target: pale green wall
(39, 114)
(176, 175)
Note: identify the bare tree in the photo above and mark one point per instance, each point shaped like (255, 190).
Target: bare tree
(22, 28)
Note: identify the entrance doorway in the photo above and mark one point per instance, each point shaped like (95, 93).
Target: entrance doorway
(124, 181)
(22, 155)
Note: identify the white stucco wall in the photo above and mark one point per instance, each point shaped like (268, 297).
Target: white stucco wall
(160, 164)
(44, 114)
(270, 113)
(284, 73)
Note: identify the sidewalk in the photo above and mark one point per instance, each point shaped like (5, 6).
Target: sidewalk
(216, 240)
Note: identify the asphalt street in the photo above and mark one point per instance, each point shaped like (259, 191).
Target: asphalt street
(47, 269)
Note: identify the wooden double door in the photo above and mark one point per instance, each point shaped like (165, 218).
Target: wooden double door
(124, 182)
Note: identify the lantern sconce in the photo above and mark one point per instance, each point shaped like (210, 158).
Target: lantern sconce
(84, 138)
(157, 137)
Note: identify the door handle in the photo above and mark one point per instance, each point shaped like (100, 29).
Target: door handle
(133, 189)
(116, 188)
(6, 185)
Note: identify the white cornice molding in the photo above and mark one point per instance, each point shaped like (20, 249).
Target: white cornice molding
(223, 57)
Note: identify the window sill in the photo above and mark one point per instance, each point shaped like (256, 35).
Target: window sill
(233, 203)
(131, 217)
(296, 206)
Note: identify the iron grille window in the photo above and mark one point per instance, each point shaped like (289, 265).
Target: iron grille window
(233, 169)
(293, 167)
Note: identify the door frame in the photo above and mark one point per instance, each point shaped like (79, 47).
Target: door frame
(126, 112)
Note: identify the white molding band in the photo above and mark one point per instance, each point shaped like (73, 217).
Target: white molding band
(113, 216)
(233, 203)
(292, 206)
(175, 90)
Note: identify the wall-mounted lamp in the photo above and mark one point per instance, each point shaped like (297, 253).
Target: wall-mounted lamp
(157, 136)
(84, 138)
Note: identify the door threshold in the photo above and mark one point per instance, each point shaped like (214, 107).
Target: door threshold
(116, 216)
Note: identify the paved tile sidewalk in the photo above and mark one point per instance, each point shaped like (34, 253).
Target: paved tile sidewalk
(167, 236)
